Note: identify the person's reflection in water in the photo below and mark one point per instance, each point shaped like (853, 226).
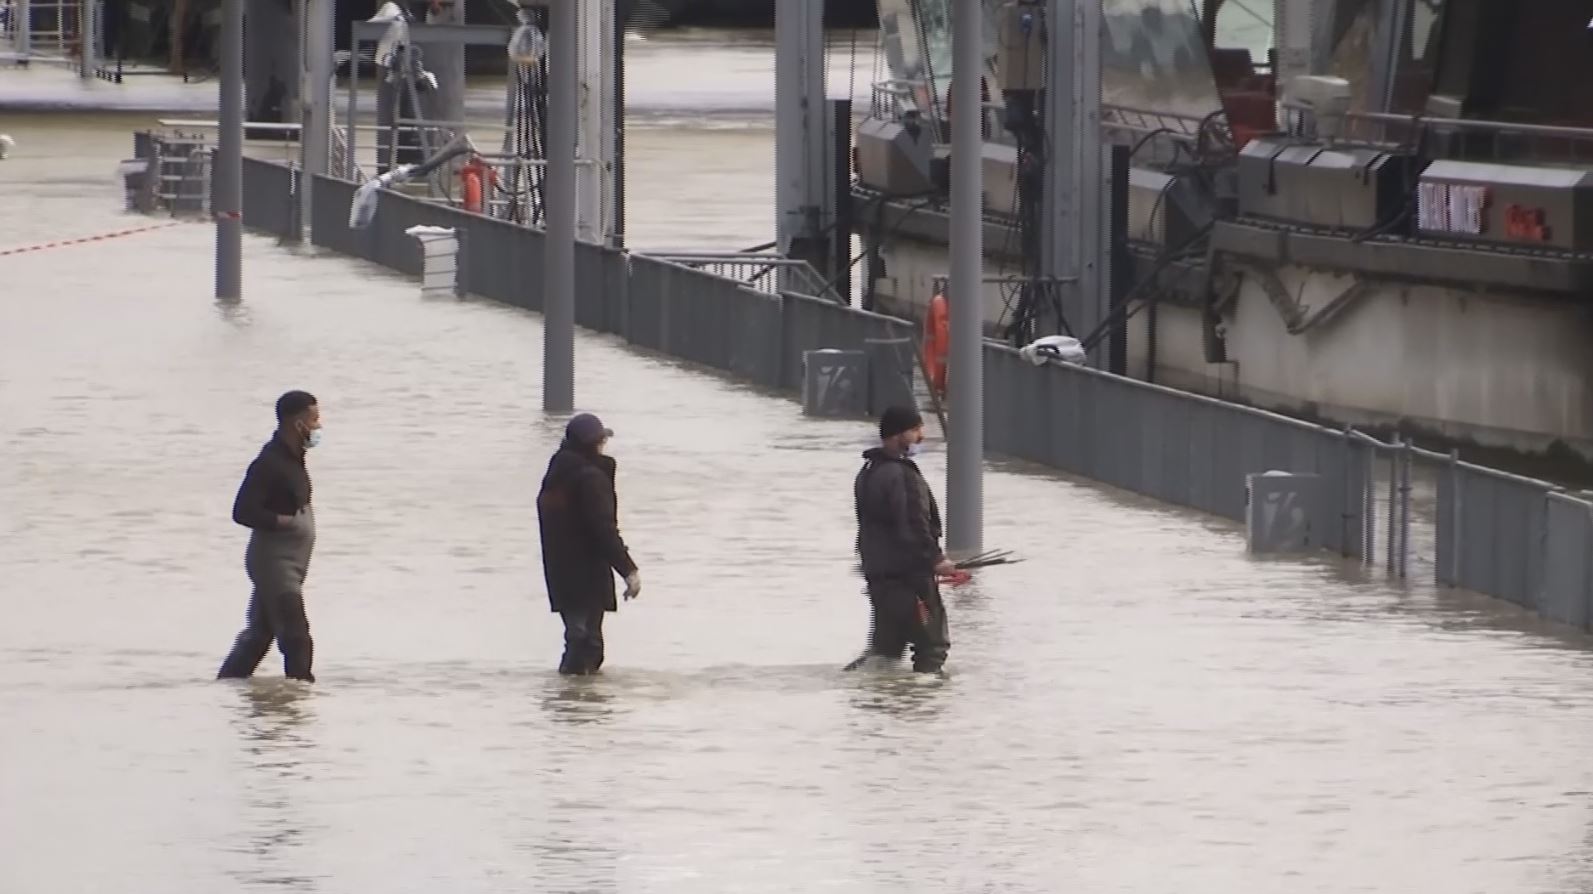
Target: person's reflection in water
(578, 700)
(578, 861)
(272, 720)
(893, 692)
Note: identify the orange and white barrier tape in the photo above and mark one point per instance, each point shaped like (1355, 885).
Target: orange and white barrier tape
(62, 243)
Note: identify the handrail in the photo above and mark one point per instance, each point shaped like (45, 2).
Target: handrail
(1542, 130)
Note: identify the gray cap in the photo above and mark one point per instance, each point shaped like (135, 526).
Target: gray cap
(586, 430)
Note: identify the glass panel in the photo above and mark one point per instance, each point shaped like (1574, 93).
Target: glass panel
(1153, 58)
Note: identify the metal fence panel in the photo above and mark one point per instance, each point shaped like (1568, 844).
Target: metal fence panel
(1567, 585)
(810, 324)
(1503, 528)
(706, 319)
(268, 200)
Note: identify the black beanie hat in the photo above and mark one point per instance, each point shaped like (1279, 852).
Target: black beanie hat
(896, 420)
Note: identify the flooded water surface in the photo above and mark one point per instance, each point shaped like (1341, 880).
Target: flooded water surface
(1137, 707)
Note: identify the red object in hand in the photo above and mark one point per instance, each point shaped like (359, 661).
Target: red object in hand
(956, 578)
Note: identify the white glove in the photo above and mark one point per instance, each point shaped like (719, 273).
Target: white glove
(633, 585)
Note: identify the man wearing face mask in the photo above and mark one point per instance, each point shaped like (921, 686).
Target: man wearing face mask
(898, 539)
(582, 550)
(274, 503)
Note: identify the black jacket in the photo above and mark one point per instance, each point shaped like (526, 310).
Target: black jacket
(582, 549)
(276, 484)
(898, 522)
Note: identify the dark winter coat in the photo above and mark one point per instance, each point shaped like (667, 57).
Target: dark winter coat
(581, 545)
(276, 484)
(898, 522)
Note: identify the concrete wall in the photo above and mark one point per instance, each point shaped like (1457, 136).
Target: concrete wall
(1498, 370)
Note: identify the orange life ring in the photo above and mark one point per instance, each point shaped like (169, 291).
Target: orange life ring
(937, 342)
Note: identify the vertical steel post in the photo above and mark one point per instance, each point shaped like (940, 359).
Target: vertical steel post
(1059, 206)
(1121, 264)
(966, 440)
(315, 143)
(1369, 507)
(1393, 504)
(1455, 538)
(802, 146)
(1090, 232)
(226, 194)
(558, 292)
(621, 13)
(1407, 457)
(840, 271)
(24, 26)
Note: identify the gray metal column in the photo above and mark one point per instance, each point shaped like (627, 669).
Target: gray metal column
(558, 291)
(88, 27)
(966, 441)
(226, 189)
(315, 144)
(802, 147)
(1059, 215)
(1091, 232)
(446, 60)
(24, 23)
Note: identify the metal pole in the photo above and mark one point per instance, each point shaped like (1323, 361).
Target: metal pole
(226, 194)
(802, 147)
(24, 26)
(88, 25)
(558, 291)
(621, 14)
(1454, 518)
(1369, 507)
(316, 138)
(1406, 458)
(1393, 504)
(1059, 207)
(840, 271)
(966, 441)
(1117, 287)
(1090, 232)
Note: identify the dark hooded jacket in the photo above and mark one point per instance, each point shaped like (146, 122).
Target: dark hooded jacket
(898, 522)
(581, 544)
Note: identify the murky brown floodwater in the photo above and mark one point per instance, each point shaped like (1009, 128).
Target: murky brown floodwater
(1137, 708)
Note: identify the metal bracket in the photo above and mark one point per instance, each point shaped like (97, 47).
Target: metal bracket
(1299, 318)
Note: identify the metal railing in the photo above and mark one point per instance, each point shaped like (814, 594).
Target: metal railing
(1470, 140)
(769, 273)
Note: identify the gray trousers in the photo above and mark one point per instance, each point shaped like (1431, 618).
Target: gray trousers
(277, 563)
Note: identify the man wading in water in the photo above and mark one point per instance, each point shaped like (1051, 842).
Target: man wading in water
(274, 503)
(581, 545)
(898, 539)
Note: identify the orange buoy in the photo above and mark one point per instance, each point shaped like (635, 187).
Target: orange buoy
(937, 342)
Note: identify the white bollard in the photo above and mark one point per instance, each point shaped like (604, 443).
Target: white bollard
(439, 252)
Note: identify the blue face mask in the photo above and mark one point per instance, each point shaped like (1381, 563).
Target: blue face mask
(314, 440)
(915, 448)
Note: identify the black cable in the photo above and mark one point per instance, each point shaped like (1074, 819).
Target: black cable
(1180, 253)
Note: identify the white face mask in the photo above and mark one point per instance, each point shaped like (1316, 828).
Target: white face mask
(314, 439)
(915, 448)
